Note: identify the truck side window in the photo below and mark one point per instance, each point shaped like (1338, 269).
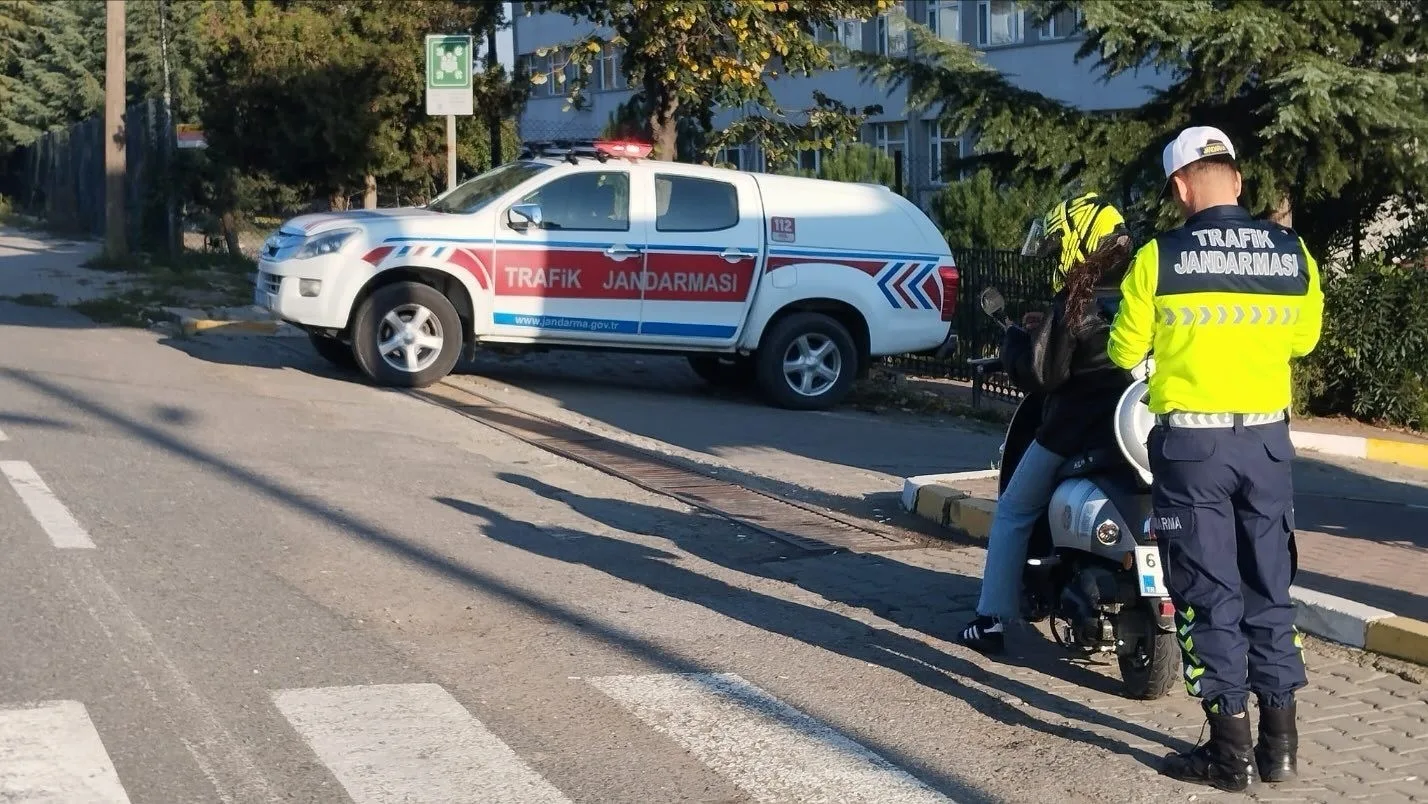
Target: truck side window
(596, 201)
(685, 204)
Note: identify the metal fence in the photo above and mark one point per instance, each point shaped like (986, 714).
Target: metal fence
(60, 177)
(1024, 282)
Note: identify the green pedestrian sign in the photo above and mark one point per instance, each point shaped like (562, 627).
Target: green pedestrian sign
(449, 61)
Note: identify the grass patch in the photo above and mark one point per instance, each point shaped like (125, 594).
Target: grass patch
(140, 307)
(885, 390)
(34, 299)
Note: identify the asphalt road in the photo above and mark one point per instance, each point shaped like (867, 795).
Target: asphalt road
(232, 578)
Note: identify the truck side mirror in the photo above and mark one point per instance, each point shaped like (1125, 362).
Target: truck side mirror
(523, 216)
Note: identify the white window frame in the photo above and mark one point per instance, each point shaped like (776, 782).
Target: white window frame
(884, 142)
(935, 9)
(1048, 32)
(846, 32)
(937, 136)
(887, 45)
(984, 24)
(609, 74)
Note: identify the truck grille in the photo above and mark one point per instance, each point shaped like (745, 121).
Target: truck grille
(269, 283)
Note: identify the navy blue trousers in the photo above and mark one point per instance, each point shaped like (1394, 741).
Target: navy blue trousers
(1224, 518)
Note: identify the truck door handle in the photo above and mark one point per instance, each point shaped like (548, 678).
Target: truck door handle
(620, 252)
(735, 255)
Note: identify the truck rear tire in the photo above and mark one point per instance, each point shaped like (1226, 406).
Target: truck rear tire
(407, 335)
(334, 351)
(807, 361)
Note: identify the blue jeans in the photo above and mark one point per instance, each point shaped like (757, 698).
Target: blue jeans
(1018, 508)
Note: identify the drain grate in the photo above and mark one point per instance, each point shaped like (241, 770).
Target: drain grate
(786, 520)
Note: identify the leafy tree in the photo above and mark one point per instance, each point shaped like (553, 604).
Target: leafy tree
(630, 120)
(1323, 100)
(826, 126)
(980, 212)
(331, 96)
(694, 56)
(855, 162)
(53, 73)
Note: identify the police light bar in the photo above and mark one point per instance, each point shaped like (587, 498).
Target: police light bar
(625, 148)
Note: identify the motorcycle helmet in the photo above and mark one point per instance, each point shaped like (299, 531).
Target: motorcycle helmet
(1071, 232)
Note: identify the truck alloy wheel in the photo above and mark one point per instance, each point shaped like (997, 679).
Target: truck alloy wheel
(807, 362)
(407, 334)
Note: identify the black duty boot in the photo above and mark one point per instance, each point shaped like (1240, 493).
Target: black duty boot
(984, 635)
(1277, 753)
(1225, 762)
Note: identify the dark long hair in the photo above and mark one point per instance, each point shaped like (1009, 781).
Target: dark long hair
(1107, 263)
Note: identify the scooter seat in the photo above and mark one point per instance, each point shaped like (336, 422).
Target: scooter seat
(1091, 462)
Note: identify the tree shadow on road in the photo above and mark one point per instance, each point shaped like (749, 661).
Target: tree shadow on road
(909, 596)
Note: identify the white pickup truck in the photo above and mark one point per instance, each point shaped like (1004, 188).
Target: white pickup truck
(790, 282)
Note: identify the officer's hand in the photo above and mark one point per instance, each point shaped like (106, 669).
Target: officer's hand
(1032, 320)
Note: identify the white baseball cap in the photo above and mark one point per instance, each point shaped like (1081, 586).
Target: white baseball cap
(1194, 144)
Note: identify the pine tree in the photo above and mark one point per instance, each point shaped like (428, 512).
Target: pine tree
(54, 73)
(1326, 103)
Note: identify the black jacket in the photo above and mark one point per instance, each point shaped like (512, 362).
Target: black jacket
(1067, 363)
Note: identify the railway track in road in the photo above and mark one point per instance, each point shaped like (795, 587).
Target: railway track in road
(798, 524)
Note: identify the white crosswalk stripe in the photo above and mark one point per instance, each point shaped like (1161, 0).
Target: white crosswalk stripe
(770, 750)
(410, 743)
(415, 743)
(51, 752)
(56, 520)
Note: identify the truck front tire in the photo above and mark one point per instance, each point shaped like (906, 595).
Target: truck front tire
(723, 371)
(807, 361)
(407, 335)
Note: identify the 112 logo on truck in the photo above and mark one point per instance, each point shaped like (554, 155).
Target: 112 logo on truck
(614, 252)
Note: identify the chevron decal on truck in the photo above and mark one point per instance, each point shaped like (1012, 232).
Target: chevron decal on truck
(902, 283)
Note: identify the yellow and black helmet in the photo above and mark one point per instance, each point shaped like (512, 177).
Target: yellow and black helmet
(1071, 231)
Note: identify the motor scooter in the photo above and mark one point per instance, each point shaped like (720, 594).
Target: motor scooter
(1093, 564)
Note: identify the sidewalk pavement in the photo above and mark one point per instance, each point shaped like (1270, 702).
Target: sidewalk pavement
(1362, 561)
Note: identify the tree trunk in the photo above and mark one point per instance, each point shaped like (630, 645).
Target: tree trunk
(337, 202)
(228, 227)
(1283, 212)
(664, 128)
(369, 192)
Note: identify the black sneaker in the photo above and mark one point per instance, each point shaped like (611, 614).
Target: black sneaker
(984, 635)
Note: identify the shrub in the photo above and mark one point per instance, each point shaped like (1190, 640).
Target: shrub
(1372, 361)
(979, 212)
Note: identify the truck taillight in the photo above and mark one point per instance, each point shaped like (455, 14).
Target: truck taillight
(950, 281)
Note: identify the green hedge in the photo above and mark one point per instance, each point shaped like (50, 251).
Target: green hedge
(1372, 361)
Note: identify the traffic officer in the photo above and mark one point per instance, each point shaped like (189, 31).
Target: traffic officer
(1224, 302)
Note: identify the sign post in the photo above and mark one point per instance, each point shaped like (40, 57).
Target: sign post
(449, 60)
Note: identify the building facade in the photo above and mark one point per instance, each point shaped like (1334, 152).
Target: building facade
(1036, 57)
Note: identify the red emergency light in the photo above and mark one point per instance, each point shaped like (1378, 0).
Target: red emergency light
(625, 148)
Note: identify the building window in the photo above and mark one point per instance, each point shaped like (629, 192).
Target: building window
(944, 17)
(892, 31)
(611, 76)
(999, 22)
(734, 155)
(843, 33)
(810, 161)
(944, 150)
(1060, 26)
(889, 137)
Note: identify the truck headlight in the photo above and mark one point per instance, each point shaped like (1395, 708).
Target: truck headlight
(325, 243)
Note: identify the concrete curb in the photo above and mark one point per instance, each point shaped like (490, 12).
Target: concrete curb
(209, 326)
(1337, 619)
(1406, 453)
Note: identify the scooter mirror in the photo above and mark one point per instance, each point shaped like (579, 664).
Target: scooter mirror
(992, 302)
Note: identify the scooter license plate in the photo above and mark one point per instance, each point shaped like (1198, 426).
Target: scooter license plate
(1148, 572)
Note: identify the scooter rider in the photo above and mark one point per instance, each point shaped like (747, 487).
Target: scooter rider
(1064, 359)
(1225, 301)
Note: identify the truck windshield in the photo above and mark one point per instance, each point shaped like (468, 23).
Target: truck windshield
(485, 188)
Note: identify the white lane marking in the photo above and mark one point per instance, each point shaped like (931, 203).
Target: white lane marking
(45, 507)
(52, 752)
(410, 743)
(772, 751)
(4, 437)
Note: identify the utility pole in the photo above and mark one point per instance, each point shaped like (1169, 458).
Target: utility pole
(171, 237)
(115, 165)
(493, 117)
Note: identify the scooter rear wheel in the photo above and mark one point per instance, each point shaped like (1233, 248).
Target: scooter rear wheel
(1151, 669)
